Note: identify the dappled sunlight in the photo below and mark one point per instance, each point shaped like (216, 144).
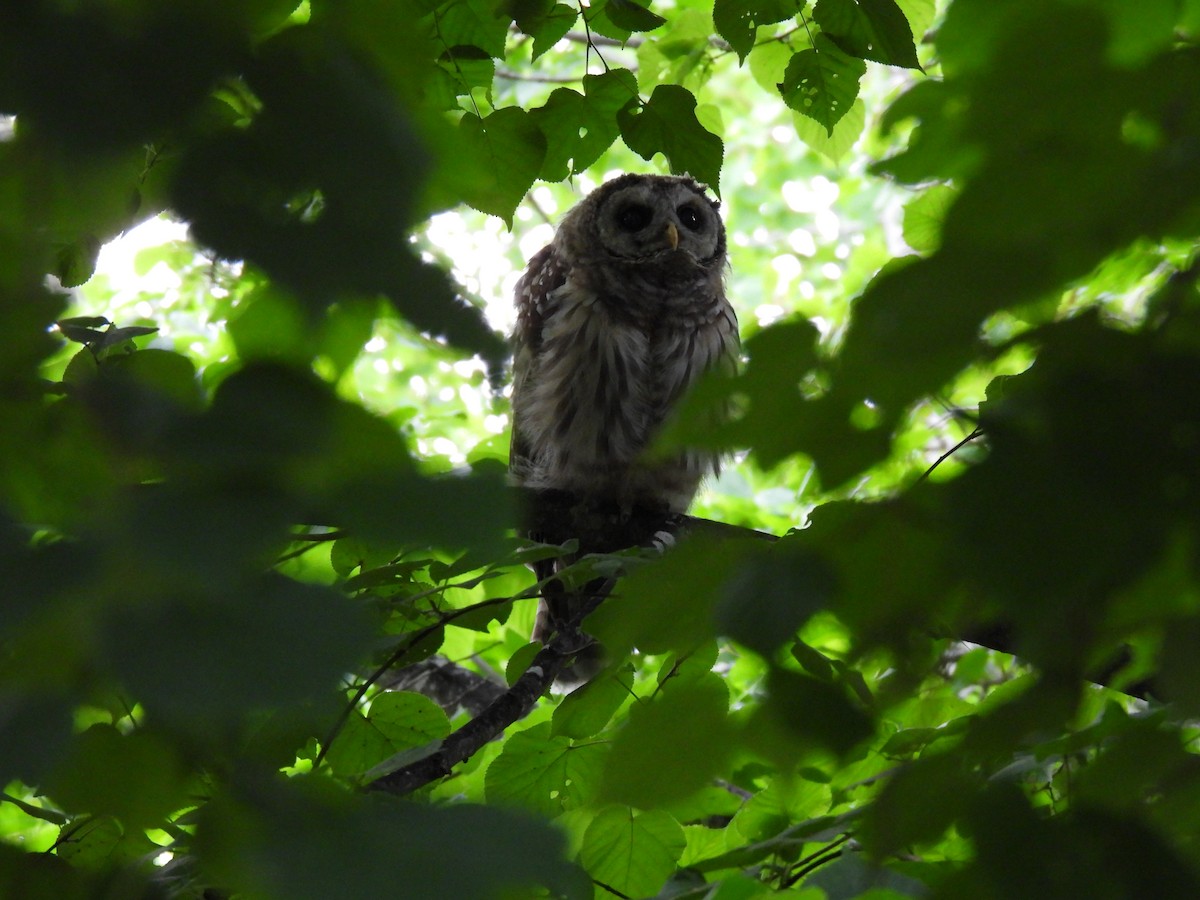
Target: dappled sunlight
(280, 620)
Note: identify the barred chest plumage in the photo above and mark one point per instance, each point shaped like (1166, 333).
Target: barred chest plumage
(606, 376)
(617, 318)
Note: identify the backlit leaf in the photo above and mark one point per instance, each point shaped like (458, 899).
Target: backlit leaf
(738, 22)
(543, 773)
(687, 730)
(509, 149)
(868, 29)
(667, 124)
(580, 127)
(630, 851)
(822, 83)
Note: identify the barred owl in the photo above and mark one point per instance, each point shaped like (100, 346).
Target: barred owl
(617, 317)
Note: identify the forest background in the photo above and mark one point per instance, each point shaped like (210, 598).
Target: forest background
(258, 466)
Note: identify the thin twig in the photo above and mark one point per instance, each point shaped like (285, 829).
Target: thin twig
(978, 432)
(733, 789)
(509, 75)
(612, 890)
(537, 208)
(319, 536)
(810, 863)
(599, 40)
(37, 812)
(449, 52)
(587, 28)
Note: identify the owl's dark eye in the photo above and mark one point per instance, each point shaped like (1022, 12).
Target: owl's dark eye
(634, 217)
(690, 217)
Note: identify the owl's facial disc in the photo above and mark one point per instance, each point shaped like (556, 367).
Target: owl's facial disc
(652, 218)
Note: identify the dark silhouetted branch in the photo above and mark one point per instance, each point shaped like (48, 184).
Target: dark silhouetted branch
(556, 517)
(511, 706)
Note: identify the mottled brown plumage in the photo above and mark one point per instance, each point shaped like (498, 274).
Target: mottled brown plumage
(617, 318)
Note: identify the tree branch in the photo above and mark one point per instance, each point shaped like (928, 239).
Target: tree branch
(449, 685)
(395, 656)
(511, 706)
(509, 75)
(556, 517)
(599, 40)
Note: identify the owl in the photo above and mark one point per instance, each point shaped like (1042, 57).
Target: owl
(616, 319)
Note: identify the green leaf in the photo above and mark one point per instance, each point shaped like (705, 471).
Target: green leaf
(738, 22)
(632, 16)
(632, 852)
(509, 149)
(910, 741)
(76, 261)
(869, 29)
(587, 709)
(679, 55)
(771, 812)
(397, 721)
(902, 816)
(544, 773)
(768, 63)
(34, 735)
(1096, 853)
(101, 843)
(580, 127)
(1181, 664)
(666, 604)
(815, 713)
(300, 839)
(923, 218)
(196, 663)
(781, 359)
(545, 21)
(771, 594)
(672, 747)
(137, 778)
(822, 83)
(126, 78)
(813, 661)
(463, 23)
(349, 241)
(424, 294)
(468, 69)
(785, 843)
(161, 373)
(473, 510)
(667, 124)
(347, 327)
(1134, 763)
(920, 15)
(851, 876)
(519, 662)
(86, 330)
(45, 876)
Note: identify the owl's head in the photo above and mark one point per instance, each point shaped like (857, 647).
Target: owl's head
(655, 217)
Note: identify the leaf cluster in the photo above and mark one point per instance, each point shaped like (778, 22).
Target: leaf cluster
(224, 567)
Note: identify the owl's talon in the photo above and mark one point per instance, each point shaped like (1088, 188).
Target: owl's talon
(662, 541)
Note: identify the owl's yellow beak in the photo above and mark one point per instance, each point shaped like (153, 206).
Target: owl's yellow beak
(672, 235)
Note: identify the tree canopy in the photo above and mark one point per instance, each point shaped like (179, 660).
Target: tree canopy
(260, 570)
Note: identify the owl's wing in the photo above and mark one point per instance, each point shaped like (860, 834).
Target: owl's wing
(535, 302)
(544, 274)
